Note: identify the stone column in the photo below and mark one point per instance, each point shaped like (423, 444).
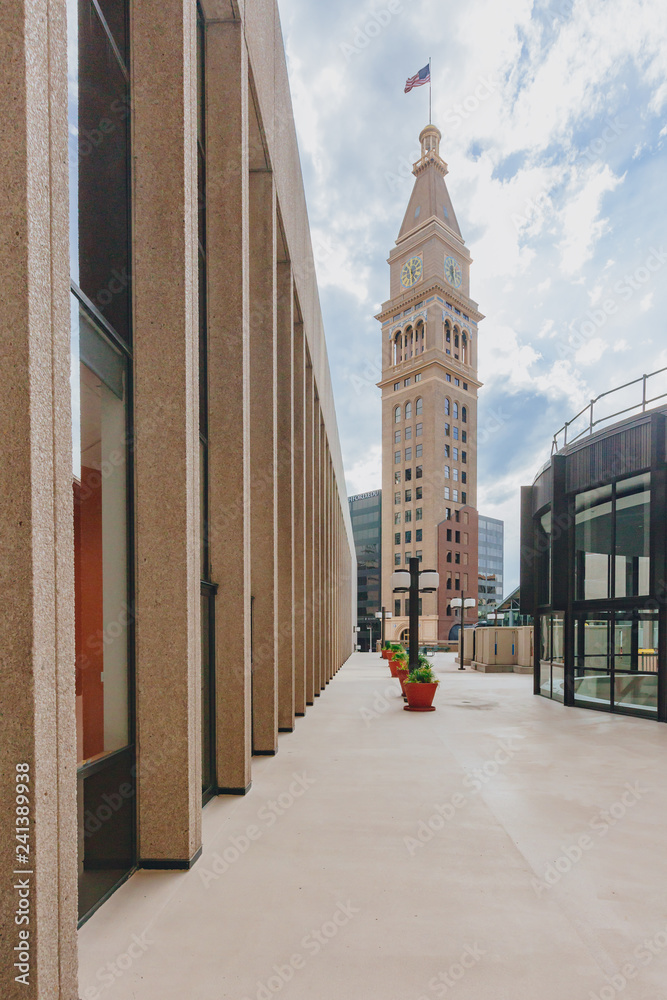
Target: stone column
(263, 520)
(317, 547)
(331, 582)
(37, 721)
(228, 267)
(322, 596)
(299, 521)
(284, 497)
(326, 581)
(309, 520)
(168, 656)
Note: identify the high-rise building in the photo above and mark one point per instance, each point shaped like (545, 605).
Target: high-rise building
(366, 518)
(429, 392)
(491, 554)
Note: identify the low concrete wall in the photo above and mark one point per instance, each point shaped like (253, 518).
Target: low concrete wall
(501, 650)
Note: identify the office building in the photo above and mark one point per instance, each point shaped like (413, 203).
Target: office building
(366, 518)
(491, 555)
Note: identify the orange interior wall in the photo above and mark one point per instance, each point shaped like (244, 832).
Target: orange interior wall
(89, 609)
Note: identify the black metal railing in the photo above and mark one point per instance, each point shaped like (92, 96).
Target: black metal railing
(590, 418)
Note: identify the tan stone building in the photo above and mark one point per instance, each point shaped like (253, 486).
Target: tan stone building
(177, 570)
(429, 398)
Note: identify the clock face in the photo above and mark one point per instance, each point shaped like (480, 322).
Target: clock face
(453, 272)
(411, 271)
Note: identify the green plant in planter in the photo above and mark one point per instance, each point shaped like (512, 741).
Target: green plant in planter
(423, 660)
(423, 674)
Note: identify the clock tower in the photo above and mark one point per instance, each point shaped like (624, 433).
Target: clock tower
(429, 403)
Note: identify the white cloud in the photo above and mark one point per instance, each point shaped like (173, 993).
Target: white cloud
(591, 352)
(646, 303)
(366, 473)
(581, 222)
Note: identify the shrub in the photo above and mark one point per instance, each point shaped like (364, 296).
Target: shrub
(423, 674)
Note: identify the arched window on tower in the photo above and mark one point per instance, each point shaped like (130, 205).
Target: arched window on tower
(448, 337)
(456, 411)
(420, 338)
(397, 415)
(408, 342)
(464, 348)
(398, 355)
(448, 406)
(464, 415)
(408, 411)
(418, 407)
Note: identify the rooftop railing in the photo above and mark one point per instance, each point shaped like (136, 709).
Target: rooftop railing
(632, 397)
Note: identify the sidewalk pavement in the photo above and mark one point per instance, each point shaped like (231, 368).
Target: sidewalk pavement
(500, 848)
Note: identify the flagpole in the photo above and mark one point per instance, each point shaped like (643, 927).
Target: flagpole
(429, 91)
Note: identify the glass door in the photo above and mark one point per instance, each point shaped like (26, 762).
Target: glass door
(592, 666)
(635, 652)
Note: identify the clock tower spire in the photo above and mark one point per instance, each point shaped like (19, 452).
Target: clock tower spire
(429, 402)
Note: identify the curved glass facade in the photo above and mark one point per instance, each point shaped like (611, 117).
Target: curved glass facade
(593, 571)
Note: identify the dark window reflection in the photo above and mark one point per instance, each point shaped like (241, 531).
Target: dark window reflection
(114, 13)
(99, 174)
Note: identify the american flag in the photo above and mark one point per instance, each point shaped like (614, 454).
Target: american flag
(418, 80)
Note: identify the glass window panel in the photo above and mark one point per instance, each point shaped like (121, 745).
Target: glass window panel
(201, 198)
(207, 756)
(557, 682)
(106, 848)
(558, 640)
(99, 113)
(647, 644)
(545, 638)
(115, 14)
(545, 678)
(593, 535)
(632, 538)
(100, 544)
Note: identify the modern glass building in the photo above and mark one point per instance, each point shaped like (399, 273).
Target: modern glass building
(490, 563)
(366, 517)
(593, 568)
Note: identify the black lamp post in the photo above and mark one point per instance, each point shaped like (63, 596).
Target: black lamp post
(383, 626)
(413, 581)
(462, 603)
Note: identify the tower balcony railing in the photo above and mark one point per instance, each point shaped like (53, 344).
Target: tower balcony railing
(636, 396)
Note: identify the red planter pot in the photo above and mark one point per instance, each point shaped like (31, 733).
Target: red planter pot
(393, 664)
(403, 676)
(386, 654)
(420, 696)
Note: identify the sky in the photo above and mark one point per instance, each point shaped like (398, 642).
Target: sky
(554, 123)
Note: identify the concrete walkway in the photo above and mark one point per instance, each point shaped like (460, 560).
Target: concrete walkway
(500, 848)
